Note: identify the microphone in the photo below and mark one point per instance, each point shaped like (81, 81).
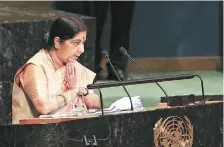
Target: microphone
(106, 55)
(124, 52)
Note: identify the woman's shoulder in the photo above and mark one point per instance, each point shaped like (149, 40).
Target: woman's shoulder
(34, 60)
(37, 58)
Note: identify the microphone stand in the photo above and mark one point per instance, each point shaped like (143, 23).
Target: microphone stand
(146, 73)
(101, 98)
(124, 51)
(106, 56)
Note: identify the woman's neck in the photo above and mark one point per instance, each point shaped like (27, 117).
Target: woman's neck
(58, 63)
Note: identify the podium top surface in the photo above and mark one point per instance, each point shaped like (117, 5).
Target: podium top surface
(53, 120)
(45, 120)
(23, 11)
(63, 119)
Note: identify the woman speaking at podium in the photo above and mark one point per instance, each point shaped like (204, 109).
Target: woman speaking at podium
(50, 81)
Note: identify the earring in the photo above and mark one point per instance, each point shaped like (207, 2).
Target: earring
(55, 47)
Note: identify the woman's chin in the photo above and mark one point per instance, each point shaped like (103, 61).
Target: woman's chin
(73, 59)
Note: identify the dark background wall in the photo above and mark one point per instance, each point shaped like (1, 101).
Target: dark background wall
(175, 29)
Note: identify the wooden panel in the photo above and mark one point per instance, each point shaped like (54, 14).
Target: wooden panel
(52, 120)
(174, 64)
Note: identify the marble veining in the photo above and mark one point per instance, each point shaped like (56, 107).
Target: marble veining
(131, 129)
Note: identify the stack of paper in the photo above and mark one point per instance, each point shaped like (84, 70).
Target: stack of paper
(122, 104)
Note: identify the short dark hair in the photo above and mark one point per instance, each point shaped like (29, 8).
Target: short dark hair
(65, 28)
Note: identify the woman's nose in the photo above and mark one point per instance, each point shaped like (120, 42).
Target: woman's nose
(81, 48)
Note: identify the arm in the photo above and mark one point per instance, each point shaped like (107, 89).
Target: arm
(35, 85)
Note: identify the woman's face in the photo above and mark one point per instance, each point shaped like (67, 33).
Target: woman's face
(71, 49)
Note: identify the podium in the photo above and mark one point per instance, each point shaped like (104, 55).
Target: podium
(196, 126)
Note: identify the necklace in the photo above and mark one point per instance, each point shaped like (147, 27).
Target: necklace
(52, 60)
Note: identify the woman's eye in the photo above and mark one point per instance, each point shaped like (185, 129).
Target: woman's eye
(75, 43)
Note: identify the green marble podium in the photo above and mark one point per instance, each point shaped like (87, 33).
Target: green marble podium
(192, 126)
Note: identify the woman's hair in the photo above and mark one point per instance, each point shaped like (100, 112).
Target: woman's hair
(65, 28)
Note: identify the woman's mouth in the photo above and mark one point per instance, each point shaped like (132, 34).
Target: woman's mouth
(76, 57)
(73, 58)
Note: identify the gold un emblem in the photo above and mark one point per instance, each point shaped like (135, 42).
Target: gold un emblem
(173, 132)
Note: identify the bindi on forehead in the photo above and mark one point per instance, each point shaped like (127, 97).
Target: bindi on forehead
(79, 37)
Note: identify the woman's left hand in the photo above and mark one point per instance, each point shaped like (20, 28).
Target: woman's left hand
(92, 101)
